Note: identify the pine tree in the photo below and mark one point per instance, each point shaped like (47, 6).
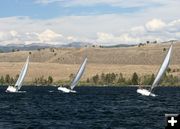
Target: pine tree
(151, 79)
(50, 80)
(2, 80)
(113, 77)
(102, 78)
(16, 78)
(87, 80)
(121, 79)
(95, 78)
(11, 80)
(71, 76)
(134, 79)
(7, 79)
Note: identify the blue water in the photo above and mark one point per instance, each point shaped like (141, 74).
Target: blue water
(89, 108)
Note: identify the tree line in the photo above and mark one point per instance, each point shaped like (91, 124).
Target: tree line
(103, 79)
(8, 80)
(43, 81)
(134, 79)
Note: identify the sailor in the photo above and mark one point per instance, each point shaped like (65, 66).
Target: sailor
(140, 86)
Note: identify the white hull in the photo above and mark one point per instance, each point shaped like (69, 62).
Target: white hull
(145, 92)
(66, 90)
(11, 89)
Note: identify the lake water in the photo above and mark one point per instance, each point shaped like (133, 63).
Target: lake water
(89, 108)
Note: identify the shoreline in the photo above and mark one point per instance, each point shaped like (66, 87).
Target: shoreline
(89, 86)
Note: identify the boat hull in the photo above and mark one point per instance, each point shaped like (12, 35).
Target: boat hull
(66, 90)
(145, 92)
(11, 89)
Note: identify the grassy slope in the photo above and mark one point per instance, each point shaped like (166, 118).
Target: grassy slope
(62, 62)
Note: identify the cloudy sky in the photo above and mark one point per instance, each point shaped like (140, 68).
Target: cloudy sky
(104, 22)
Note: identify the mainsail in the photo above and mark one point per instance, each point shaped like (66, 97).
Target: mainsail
(162, 69)
(22, 74)
(79, 74)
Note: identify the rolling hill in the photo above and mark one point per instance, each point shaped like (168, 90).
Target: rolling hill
(61, 62)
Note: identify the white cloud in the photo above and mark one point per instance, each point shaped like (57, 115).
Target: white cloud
(107, 39)
(155, 25)
(48, 36)
(8, 35)
(13, 33)
(149, 31)
(156, 20)
(72, 38)
(101, 29)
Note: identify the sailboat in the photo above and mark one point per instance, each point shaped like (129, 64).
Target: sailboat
(19, 82)
(76, 79)
(161, 72)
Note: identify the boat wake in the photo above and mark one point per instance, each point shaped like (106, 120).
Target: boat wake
(16, 92)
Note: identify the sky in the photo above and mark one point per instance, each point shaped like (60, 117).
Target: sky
(101, 22)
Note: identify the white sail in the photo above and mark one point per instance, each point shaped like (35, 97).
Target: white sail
(162, 69)
(22, 74)
(79, 74)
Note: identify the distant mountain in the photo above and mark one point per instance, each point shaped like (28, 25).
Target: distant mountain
(22, 47)
(118, 45)
(35, 46)
(77, 44)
